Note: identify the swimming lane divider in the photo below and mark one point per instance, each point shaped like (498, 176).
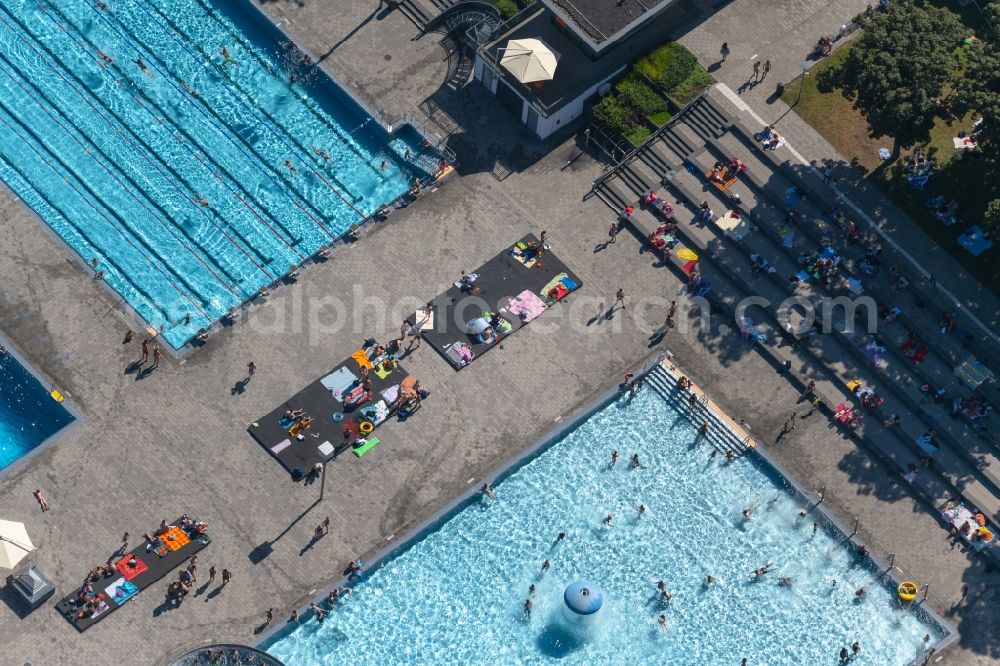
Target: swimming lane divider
(159, 120)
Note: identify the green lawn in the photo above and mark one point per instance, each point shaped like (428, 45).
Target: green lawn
(833, 117)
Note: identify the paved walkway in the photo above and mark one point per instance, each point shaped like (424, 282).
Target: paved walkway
(175, 441)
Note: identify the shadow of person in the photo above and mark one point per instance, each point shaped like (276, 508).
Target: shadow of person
(201, 590)
(239, 387)
(214, 593)
(142, 374)
(259, 629)
(133, 367)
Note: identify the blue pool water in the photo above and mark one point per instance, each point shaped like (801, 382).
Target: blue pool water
(175, 180)
(455, 596)
(28, 414)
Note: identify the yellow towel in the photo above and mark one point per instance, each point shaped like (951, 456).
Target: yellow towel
(362, 358)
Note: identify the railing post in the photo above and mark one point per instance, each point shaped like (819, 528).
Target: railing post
(855, 530)
(822, 491)
(892, 560)
(924, 598)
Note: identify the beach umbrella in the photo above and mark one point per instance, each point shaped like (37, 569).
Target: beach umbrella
(477, 325)
(15, 544)
(529, 60)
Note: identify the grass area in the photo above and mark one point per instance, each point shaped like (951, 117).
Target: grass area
(846, 130)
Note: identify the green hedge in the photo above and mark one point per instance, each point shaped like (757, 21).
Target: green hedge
(640, 96)
(668, 65)
(614, 114)
(507, 8)
(691, 87)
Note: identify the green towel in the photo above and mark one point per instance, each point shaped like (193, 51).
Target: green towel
(382, 372)
(369, 444)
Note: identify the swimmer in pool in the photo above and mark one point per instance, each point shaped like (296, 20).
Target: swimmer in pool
(105, 58)
(226, 57)
(322, 153)
(142, 67)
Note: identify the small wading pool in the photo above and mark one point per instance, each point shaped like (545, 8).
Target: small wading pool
(28, 413)
(455, 595)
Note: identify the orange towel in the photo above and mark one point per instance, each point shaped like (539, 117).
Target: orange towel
(174, 538)
(362, 358)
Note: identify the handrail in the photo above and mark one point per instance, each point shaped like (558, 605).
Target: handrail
(600, 180)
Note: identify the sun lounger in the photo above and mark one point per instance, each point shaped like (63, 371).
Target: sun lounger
(281, 446)
(339, 382)
(527, 306)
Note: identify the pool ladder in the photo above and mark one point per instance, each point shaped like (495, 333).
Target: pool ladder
(720, 434)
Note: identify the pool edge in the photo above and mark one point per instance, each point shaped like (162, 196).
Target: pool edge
(8, 472)
(585, 409)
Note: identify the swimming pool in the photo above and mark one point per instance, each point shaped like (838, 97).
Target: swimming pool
(28, 413)
(456, 594)
(189, 175)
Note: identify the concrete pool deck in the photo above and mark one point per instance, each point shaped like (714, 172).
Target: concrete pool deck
(175, 441)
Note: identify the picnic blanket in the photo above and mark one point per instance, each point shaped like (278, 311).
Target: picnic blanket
(339, 382)
(735, 227)
(527, 306)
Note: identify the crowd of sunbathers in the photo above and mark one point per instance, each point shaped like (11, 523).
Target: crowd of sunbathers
(972, 408)
(88, 602)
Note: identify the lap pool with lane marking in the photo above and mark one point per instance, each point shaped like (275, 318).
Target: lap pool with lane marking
(163, 141)
(456, 594)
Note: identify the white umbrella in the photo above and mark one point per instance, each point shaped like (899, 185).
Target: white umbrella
(529, 60)
(15, 544)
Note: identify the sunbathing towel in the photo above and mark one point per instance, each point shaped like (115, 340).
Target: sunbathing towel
(459, 353)
(382, 372)
(552, 283)
(362, 358)
(558, 292)
(424, 321)
(376, 413)
(366, 446)
(527, 306)
(121, 591)
(570, 283)
(281, 446)
(339, 381)
(391, 394)
(130, 572)
(735, 227)
(174, 538)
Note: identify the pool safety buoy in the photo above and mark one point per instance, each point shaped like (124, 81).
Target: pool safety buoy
(907, 590)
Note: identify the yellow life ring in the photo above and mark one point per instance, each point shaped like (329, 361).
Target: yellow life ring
(366, 427)
(907, 590)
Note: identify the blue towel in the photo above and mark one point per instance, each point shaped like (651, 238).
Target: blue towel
(569, 283)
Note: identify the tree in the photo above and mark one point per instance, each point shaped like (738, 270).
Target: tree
(991, 219)
(980, 87)
(904, 58)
